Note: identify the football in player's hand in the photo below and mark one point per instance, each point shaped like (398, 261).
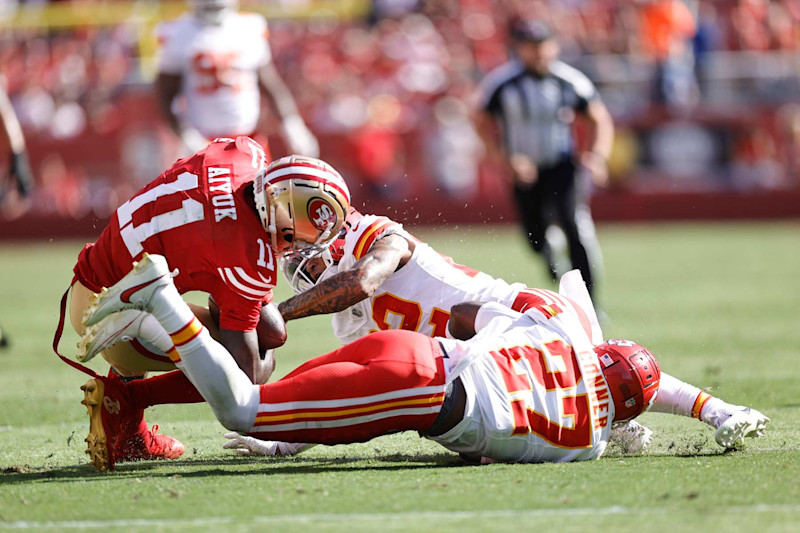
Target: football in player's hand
(271, 328)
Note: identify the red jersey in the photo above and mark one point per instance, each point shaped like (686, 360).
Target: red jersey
(196, 215)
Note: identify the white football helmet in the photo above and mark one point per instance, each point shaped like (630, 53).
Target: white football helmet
(302, 203)
(304, 268)
(213, 11)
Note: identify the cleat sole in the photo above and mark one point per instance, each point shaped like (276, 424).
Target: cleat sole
(97, 445)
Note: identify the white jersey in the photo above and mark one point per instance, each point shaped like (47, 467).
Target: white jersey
(535, 390)
(419, 295)
(219, 65)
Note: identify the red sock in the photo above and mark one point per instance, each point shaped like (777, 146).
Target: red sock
(172, 387)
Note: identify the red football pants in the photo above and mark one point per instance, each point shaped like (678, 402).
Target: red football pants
(383, 383)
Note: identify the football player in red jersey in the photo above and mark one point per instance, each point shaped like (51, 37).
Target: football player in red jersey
(220, 217)
(512, 386)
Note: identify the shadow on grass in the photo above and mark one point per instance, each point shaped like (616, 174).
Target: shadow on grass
(230, 466)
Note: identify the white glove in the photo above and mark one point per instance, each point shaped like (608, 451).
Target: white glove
(245, 445)
(193, 140)
(631, 436)
(299, 138)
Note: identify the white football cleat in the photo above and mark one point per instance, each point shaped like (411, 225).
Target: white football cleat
(741, 424)
(133, 291)
(123, 326)
(631, 436)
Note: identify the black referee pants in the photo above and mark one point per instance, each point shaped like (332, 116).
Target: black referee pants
(555, 198)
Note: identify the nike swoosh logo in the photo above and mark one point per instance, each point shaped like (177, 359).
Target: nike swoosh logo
(126, 295)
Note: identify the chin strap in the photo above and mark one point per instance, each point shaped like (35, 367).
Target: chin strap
(60, 330)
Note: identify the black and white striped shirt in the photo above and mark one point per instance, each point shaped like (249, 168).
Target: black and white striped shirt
(536, 113)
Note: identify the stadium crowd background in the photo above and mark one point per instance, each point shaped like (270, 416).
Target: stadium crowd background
(706, 99)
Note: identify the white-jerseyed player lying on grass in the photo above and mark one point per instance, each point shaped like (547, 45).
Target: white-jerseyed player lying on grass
(526, 387)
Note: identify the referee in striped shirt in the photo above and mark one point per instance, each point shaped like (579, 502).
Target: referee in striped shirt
(532, 100)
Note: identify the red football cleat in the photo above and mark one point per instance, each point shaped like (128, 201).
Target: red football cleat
(145, 444)
(117, 431)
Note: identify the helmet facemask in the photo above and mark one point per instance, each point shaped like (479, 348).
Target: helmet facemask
(303, 269)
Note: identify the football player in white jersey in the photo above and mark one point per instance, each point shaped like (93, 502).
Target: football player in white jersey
(220, 61)
(377, 276)
(536, 386)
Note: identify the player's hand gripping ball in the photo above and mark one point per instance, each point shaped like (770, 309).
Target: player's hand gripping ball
(271, 328)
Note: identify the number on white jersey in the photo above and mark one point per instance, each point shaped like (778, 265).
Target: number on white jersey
(556, 371)
(410, 314)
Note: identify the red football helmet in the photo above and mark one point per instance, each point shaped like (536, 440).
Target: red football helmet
(633, 375)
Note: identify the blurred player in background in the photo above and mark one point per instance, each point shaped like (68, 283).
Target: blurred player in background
(533, 100)
(14, 146)
(524, 387)
(19, 168)
(220, 61)
(220, 217)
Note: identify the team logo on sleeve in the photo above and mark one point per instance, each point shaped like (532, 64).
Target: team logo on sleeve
(321, 214)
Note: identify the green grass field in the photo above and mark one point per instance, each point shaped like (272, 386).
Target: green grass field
(718, 304)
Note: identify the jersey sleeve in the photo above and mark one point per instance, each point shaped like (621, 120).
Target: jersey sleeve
(370, 228)
(171, 51)
(253, 33)
(493, 318)
(240, 294)
(487, 94)
(264, 53)
(487, 98)
(582, 87)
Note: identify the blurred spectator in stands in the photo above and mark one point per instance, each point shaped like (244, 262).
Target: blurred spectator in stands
(64, 190)
(379, 151)
(704, 42)
(749, 20)
(667, 29)
(454, 148)
(754, 164)
(789, 131)
(220, 61)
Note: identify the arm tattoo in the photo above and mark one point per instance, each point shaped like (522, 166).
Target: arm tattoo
(344, 291)
(347, 288)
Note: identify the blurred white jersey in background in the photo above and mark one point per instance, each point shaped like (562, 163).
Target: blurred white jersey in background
(219, 65)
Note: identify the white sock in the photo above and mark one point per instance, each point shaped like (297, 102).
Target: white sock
(212, 369)
(677, 397)
(716, 411)
(153, 335)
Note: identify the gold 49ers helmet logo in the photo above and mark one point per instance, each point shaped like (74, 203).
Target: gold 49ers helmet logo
(321, 214)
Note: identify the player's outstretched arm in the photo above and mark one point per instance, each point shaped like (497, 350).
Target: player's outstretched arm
(11, 133)
(351, 286)
(298, 136)
(168, 86)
